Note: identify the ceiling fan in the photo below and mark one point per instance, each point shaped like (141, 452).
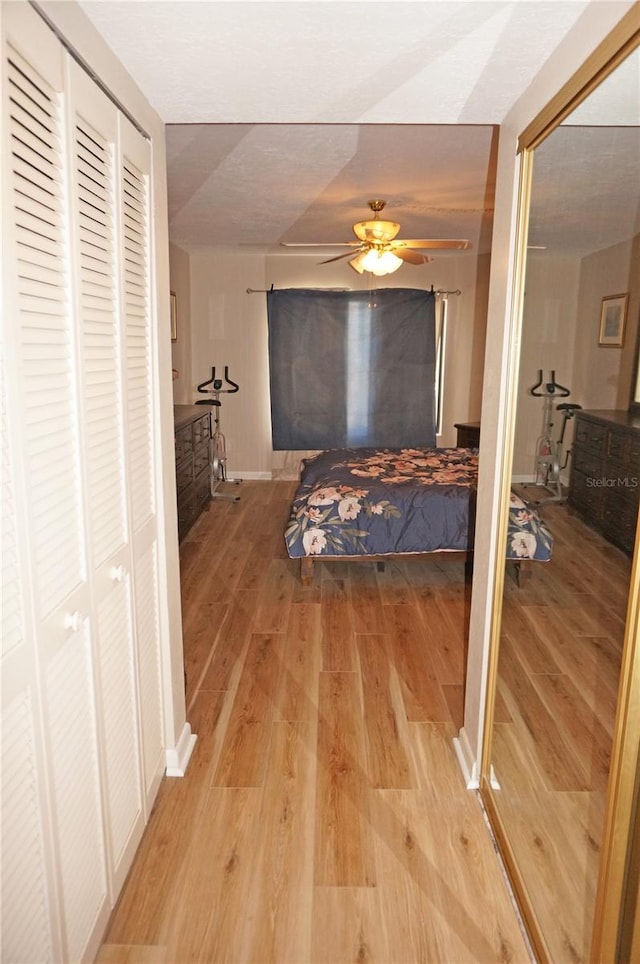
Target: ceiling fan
(378, 249)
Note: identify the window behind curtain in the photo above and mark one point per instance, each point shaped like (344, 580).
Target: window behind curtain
(351, 368)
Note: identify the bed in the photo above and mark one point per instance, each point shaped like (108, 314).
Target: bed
(370, 503)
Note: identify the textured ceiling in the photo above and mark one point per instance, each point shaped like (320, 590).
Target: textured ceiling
(286, 117)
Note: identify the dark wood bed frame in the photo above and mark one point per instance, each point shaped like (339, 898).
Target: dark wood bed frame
(522, 567)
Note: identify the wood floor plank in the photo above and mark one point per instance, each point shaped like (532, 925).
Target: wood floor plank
(231, 642)
(349, 924)
(343, 848)
(151, 892)
(429, 903)
(274, 599)
(199, 639)
(338, 636)
(562, 766)
(592, 742)
(246, 742)
(297, 697)
(593, 663)
(409, 649)
(277, 919)
(364, 595)
(217, 879)
(132, 954)
(534, 652)
(446, 639)
(388, 758)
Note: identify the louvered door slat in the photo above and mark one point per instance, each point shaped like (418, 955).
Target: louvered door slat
(138, 342)
(25, 930)
(117, 681)
(94, 162)
(70, 701)
(45, 350)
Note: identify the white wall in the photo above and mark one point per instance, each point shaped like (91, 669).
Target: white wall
(229, 327)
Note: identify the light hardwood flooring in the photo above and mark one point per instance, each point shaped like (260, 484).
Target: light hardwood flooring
(323, 817)
(561, 644)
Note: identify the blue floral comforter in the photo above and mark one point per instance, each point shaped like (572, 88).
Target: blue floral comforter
(354, 502)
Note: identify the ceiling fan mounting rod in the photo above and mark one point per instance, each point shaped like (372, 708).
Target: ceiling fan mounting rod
(376, 205)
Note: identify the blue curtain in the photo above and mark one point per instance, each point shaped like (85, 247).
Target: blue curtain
(351, 368)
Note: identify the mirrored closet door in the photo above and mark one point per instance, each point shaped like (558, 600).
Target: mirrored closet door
(565, 639)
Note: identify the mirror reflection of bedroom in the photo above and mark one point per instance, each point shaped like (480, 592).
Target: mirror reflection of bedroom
(577, 457)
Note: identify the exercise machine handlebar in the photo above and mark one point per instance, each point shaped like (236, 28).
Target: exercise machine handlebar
(551, 388)
(217, 384)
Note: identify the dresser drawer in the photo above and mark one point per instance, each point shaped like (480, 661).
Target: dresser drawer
(591, 434)
(200, 460)
(587, 462)
(618, 446)
(620, 519)
(585, 495)
(184, 475)
(184, 443)
(201, 431)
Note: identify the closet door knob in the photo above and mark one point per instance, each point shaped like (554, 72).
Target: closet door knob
(117, 573)
(73, 621)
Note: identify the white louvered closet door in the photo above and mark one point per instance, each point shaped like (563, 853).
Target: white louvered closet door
(27, 860)
(135, 243)
(82, 735)
(43, 408)
(95, 163)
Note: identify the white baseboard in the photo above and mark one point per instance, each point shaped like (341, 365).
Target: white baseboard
(178, 757)
(466, 759)
(250, 476)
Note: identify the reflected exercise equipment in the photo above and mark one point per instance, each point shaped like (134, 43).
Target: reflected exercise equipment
(551, 458)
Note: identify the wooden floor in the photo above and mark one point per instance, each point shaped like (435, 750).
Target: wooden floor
(323, 817)
(559, 665)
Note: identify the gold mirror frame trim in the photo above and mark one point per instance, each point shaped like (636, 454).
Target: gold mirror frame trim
(618, 831)
(615, 48)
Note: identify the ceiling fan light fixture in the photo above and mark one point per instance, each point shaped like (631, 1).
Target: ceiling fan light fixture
(387, 263)
(375, 261)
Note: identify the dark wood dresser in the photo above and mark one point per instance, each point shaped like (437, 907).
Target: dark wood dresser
(468, 435)
(605, 474)
(192, 431)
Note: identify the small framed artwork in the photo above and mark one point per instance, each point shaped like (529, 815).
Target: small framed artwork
(174, 317)
(613, 315)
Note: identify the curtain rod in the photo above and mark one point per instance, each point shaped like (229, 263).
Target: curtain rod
(258, 291)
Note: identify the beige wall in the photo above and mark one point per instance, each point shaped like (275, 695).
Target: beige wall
(602, 378)
(229, 327)
(560, 328)
(548, 340)
(180, 282)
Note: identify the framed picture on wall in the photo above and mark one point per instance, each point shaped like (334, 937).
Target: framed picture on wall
(613, 315)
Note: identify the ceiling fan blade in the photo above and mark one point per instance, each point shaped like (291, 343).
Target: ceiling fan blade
(434, 243)
(411, 257)
(320, 244)
(338, 257)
